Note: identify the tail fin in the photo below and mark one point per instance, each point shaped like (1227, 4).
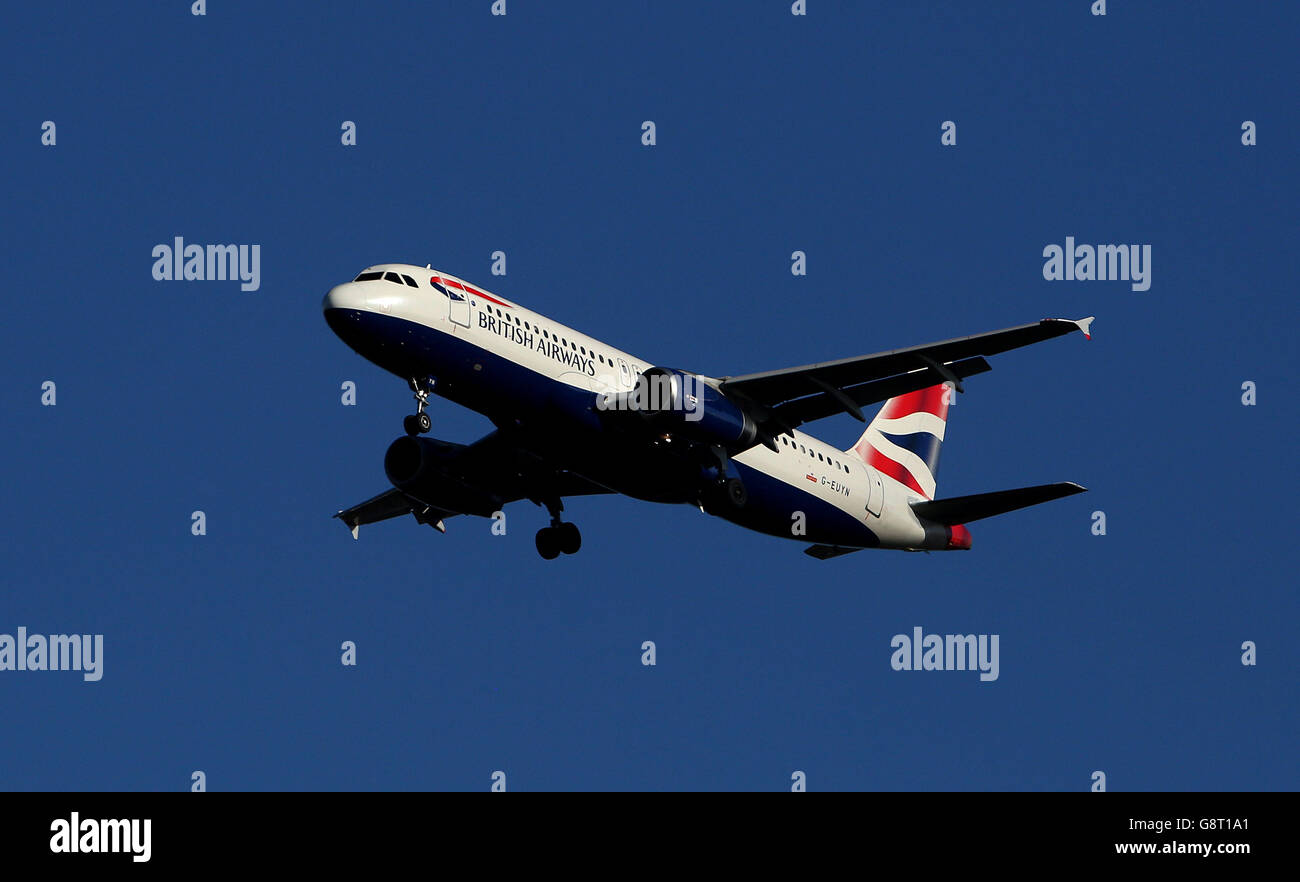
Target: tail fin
(903, 440)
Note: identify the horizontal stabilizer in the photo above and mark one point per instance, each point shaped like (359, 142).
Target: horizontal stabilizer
(822, 552)
(964, 509)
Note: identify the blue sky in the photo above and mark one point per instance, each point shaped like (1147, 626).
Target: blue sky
(776, 133)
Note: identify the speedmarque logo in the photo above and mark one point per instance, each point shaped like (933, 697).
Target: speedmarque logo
(102, 836)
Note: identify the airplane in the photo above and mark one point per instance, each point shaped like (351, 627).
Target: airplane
(575, 416)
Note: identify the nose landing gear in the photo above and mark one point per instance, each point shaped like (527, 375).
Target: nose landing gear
(419, 422)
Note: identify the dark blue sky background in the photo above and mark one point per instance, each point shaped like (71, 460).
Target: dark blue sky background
(1119, 653)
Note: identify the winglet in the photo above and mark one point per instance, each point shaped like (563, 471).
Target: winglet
(1085, 324)
(354, 526)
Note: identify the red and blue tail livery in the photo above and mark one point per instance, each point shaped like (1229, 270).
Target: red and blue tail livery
(903, 440)
(576, 416)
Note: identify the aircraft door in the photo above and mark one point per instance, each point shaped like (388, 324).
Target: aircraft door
(624, 375)
(458, 297)
(875, 492)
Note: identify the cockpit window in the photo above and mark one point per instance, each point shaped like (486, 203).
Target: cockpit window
(409, 281)
(392, 277)
(368, 277)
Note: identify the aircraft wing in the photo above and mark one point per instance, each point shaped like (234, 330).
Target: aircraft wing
(505, 466)
(391, 504)
(493, 466)
(796, 395)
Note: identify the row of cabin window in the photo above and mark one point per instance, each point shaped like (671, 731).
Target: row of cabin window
(396, 278)
(402, 278)
(809, 451)
(563, 342)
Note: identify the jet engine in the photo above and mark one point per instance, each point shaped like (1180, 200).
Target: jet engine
(423, 468)
(683, 403)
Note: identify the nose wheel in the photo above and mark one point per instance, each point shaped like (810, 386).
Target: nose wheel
(418, 423)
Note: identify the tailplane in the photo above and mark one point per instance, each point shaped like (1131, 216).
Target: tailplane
(964, 509)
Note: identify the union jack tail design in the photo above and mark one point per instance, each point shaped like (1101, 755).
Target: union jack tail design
(903, 440)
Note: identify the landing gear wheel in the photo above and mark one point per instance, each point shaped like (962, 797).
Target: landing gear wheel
(568, 538)
(547, 543)
(736, 493)
(419, 422)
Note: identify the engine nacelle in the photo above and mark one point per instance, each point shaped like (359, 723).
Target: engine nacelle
(684, 404)
(419, 468)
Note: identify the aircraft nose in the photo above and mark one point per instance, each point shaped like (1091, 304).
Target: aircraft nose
(345, 296)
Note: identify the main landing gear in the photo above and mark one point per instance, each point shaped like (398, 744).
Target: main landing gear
(418, 423)
(560, 537)
(725, 493)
